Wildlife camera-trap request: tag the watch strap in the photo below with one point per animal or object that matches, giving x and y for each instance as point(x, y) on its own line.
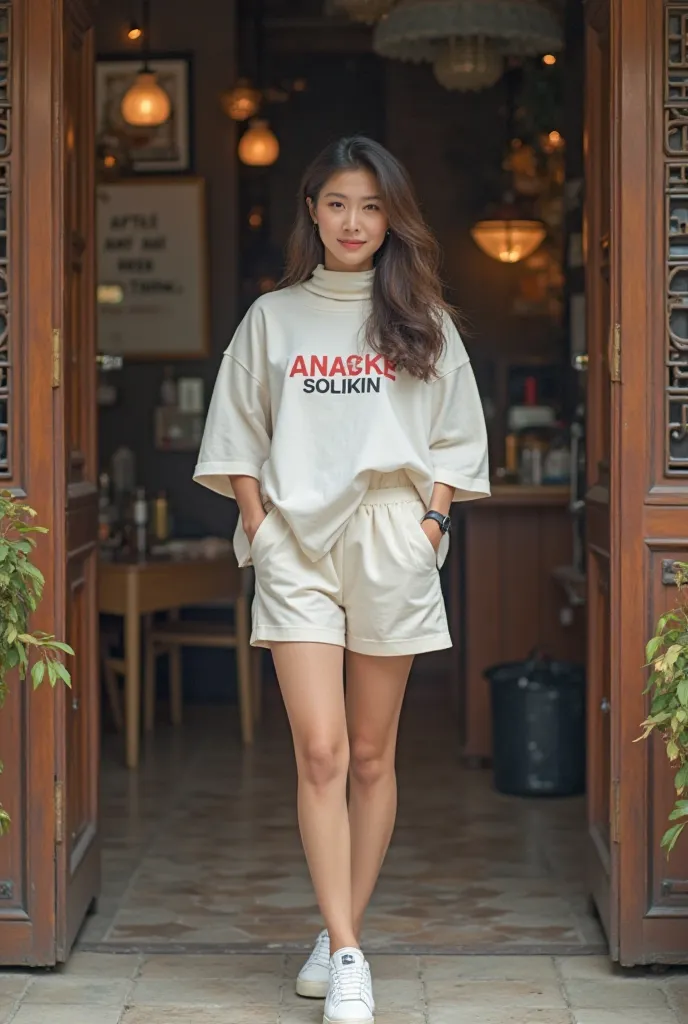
point(443, 521)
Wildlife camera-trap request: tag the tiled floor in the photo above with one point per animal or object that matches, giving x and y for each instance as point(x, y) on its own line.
point(97, 988)
point(206, 900)
point(202, 850)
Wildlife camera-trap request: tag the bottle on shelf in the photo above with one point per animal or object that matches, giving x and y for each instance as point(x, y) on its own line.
point(161, 518)
point(168, 388)
point(140, 522)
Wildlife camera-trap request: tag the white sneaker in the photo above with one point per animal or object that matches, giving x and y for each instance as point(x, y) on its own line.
point(314, 977)
point(350, 996)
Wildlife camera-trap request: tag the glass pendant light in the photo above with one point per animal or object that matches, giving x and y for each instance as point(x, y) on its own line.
point(146, 104)
point(507, 238)
point(508, 233)
point(258, 146)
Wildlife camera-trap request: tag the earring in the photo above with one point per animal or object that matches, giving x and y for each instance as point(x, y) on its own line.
point(387, 233)
point(315, 226)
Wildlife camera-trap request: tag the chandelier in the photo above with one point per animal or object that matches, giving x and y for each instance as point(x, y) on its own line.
point(420, 29)
point(468, 64)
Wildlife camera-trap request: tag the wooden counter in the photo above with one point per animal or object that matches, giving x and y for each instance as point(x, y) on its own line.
point(505, 600)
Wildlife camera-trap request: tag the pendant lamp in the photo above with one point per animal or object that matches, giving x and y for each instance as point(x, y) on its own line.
point(258, 146)
point(146, 104)
point(508, 236)
point(508, 233)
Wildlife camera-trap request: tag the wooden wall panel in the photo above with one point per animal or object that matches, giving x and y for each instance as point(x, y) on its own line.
point(512, 601)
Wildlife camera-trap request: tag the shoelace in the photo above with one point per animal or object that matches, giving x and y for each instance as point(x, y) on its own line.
point(348, 981)
point(321, 952)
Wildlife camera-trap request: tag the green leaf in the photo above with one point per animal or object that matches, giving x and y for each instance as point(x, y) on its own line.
point(681, 779)
point(672, 750)
point(62, 647)
point(653, 646)
point(37, 674)
point(682, 692)
point(63, 673)
point(670, 837)
point(52, 673)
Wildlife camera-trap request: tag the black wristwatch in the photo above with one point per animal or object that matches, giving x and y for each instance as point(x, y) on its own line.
point(444, 521)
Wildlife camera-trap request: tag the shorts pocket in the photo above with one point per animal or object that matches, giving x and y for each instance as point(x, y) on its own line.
point(423, 542)
point(259, 535)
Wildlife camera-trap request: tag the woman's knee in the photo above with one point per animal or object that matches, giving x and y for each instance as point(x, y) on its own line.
point(322, 762)
point(369, 762)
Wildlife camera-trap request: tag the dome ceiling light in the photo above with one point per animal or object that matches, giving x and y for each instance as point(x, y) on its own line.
point(468, 64)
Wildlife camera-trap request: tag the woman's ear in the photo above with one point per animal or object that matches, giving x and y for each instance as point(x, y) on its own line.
point(311, 209)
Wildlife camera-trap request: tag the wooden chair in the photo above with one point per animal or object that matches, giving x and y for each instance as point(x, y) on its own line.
point(172, 636)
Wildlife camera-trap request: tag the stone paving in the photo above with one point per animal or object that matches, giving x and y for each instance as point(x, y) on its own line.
point(101, 988)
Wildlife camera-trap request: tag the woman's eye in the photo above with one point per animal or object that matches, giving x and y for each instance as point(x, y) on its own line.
point(372, 206)
point(335, 205)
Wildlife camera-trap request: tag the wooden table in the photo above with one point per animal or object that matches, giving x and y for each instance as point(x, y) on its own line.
point(136, 588)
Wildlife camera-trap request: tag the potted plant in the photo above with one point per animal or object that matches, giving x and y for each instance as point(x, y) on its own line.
point(21, 589)
point(667, 655)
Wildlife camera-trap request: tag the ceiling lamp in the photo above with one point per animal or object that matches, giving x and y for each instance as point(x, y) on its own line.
point(417, 29)
point(365, 11)
point(242, 102)
point(146, 104)
point(258, 146)
point(468, 64)
point(509, 236)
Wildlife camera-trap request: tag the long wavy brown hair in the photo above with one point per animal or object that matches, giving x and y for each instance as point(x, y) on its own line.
point(405, 323)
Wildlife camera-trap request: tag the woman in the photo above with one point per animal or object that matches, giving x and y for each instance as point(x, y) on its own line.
point(345, 420)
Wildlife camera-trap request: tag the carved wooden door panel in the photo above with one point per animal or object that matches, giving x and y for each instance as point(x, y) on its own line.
point(49, 863)
point(642, 897)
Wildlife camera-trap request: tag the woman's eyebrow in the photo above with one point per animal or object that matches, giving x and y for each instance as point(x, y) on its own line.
point(340, 195)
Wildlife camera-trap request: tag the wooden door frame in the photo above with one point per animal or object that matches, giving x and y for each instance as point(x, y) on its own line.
point(598, 540)
point(27, 867)
point(648, 499)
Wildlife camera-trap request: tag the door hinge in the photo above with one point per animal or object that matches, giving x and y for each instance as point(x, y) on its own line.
point(615, 811)
point(57, 357)
point(615, 354)
point(59, 812)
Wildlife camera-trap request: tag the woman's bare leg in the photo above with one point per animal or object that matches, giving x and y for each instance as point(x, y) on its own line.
point(310, 678)
point(375, 690)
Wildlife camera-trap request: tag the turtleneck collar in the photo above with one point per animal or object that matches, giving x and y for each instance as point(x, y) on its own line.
point(341, 285)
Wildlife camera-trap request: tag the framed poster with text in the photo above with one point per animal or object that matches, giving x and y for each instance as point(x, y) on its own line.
point(152, 268)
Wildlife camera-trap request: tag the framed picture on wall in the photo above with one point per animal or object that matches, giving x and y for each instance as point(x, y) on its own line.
point(152, 295)
point(153, 150)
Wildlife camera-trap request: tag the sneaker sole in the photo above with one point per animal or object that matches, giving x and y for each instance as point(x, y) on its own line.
point(359, 1020)
point(312, 989)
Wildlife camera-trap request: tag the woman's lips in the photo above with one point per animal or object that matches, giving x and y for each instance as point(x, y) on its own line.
point(350, 244)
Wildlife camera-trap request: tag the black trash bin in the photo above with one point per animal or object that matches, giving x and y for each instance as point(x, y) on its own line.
point(538, 721)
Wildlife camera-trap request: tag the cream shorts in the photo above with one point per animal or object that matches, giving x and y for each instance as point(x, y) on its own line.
point(376, 592)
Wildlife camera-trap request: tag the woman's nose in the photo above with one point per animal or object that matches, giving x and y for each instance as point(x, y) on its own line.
point(351, 221)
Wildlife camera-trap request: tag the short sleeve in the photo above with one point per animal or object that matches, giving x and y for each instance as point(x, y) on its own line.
point(458, 436)
point(238, 429)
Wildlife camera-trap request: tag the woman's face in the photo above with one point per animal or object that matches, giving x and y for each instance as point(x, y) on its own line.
point(351, 218)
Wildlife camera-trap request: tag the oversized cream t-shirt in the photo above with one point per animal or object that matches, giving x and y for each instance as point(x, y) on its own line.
point(301, 405)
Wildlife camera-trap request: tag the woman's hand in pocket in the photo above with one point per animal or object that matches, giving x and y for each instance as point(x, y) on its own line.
point(252, 525)
point(432, 531)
